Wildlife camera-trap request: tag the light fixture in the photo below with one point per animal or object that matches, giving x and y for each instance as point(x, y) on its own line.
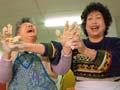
point(60, 21)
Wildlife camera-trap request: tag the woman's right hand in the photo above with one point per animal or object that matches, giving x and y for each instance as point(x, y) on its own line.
point(8, 43)
point(66, 38)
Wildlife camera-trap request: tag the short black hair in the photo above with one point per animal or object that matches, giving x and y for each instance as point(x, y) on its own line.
point(20, 22)
point(96, 6)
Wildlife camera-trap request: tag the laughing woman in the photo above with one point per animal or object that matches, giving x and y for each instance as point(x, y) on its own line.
point(95, 60)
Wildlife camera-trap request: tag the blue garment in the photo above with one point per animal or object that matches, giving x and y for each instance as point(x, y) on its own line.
point(109, 48)
point(49, 51)
point(30, 74)
point(112, 45)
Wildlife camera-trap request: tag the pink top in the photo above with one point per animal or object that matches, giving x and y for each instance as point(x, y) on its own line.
point(5, 70)
point(64, 64)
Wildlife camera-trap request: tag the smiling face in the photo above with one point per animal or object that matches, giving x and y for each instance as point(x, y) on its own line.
point(28, 32)
point(95, 25)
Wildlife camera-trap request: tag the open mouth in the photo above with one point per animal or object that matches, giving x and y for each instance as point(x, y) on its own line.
point(95, 28)
point(29, 31)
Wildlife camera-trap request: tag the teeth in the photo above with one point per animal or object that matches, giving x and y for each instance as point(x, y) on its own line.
point(94, 28)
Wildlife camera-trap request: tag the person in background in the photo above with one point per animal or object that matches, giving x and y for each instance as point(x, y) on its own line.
point(96, 59)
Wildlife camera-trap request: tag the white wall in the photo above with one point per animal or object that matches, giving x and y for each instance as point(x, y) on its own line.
point(112, 32)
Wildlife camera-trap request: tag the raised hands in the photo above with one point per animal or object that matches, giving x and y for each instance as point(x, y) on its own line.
point(68, 33)
point(71, 38)
point(8, 42)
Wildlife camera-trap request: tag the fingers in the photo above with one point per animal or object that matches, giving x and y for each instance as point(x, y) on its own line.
point(71, 43)
point(76, 43)
point(7, 35)
point(10, 46)
point(9, 27)
point(58, 34)
point(71, 35)
point(16, 39)
point(4, 31)
point(7, 31)
point(77, 30)
point(73, 29)
point(66, 27)
point(8, 42)
point(69, 27)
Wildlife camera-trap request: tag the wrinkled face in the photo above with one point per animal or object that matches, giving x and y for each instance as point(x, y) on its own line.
point(95, 25)
point(28, 32)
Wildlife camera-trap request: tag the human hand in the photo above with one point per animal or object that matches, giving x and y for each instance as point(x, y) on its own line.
point(66, 38)
point(77, 43)
point(7, 34)
point(8, 42)
point(68, 33)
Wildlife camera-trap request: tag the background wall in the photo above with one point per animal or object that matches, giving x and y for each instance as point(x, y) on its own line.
point(117, 19)
point(39, 10)
point(112, 32)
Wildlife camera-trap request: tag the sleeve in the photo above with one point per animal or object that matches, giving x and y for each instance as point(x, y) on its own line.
point(64, 64)
point(48, 50)
point(115, 58)
point(5, 70)
point(53, 51)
